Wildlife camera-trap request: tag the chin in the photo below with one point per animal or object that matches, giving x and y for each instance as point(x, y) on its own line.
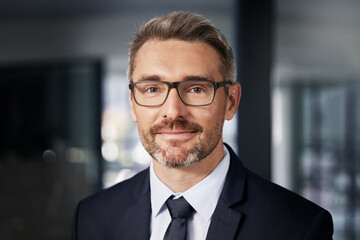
point(176, 159)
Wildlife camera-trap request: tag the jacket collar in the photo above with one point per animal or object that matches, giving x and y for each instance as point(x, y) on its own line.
point(138, 215)
point(233, 190)
point(226, 218)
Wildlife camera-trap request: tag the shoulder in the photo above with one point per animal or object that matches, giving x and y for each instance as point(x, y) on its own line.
point(284, 209)
point(272, 194)
point(121, 194)
point(277, 211)
point(259, 193)
point(95, 215)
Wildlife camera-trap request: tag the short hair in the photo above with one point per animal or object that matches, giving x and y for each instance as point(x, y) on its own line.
point(187, 27)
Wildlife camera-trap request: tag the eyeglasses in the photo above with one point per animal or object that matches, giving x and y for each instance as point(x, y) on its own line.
point(152, 93)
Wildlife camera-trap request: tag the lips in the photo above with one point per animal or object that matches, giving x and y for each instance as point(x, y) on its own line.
point(176, 136)
point(177, 132)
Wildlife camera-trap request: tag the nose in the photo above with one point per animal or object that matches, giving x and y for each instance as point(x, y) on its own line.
point(173, 107)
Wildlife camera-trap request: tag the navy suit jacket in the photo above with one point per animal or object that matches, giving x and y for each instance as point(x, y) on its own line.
point(249, 208)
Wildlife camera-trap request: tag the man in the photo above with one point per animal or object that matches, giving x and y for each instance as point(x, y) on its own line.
point(182, 89)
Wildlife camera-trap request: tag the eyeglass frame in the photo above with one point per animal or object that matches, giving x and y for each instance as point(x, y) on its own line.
point(175, 85)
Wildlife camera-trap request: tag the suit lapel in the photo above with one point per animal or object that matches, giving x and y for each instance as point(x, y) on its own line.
point(137, 216)
point(226, 219)
point(224, 222)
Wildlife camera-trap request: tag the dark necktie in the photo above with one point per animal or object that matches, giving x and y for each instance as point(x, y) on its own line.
point(180, 210)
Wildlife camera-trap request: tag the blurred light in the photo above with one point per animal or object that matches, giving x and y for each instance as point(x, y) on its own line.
point(111, 177)
point(342, 180)
point(110, 151)
point(278, 123)
point(124, 158)
point(109, 131)
point(140, 155)
point(75, 155)
point(124, 174)
point(49, 156)
point(108, 178)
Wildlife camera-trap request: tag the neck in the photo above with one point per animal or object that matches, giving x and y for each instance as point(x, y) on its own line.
point(180, 179)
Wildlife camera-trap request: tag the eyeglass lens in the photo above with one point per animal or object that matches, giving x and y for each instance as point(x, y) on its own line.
point(152, 93)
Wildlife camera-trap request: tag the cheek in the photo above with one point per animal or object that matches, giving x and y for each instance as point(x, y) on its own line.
point(145, 118)
point(210, 118)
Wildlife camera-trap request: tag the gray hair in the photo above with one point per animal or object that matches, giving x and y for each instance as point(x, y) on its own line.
point(188, 27)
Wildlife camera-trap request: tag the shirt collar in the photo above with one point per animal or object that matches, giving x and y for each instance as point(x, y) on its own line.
point(203, 197)
point(159, 192)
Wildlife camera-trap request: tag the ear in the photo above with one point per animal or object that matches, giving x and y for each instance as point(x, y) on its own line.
point(132, 107)
point(233, 100)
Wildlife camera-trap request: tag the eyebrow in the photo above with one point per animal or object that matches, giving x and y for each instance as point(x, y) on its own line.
point(199, 78)
point(149, 78)
point(187, 78)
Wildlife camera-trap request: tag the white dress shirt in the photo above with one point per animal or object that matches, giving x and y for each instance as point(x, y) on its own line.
point(203, 197)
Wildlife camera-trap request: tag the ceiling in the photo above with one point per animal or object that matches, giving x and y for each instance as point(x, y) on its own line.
point(66, 8)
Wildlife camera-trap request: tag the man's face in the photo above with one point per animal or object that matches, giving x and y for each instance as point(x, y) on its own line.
point(175, 134)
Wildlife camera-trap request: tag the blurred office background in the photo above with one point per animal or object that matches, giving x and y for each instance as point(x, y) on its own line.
point(65, 125)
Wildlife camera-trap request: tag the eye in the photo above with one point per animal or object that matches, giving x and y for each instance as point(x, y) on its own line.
point(152, 89)
point(196, 89)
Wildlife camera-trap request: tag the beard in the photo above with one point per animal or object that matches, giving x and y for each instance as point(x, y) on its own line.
point(174, 154)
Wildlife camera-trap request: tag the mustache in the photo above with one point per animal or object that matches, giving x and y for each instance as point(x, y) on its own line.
point(180, 124)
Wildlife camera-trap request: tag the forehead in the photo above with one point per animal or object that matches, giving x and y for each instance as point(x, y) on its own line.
point(176, 59)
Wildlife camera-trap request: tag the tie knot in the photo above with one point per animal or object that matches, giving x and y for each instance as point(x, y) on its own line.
point(179, 208)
